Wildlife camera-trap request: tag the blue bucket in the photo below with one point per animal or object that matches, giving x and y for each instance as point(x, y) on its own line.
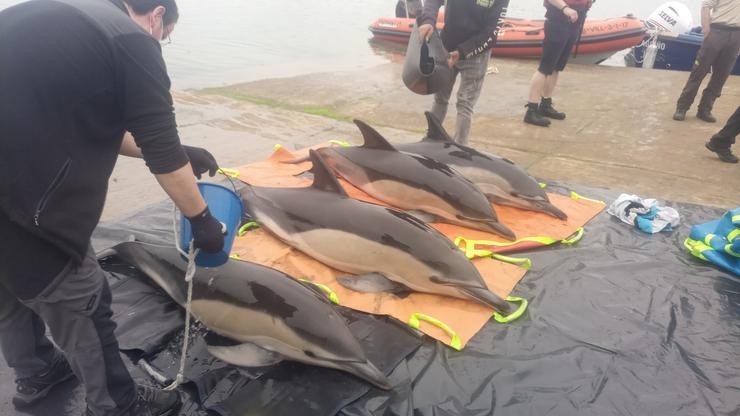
point(227, 207)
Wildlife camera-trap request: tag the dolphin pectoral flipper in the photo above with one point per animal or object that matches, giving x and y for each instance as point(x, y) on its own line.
point(240, 354)
point(373, 283)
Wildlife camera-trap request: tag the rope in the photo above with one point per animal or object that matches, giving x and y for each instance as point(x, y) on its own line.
point(190, 272)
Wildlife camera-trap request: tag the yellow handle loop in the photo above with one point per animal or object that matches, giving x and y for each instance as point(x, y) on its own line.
point(246, 227)
point(736, 219)
point(576, 197)
point(340, 143)
point(326, 289)
point(235, 257)
point(277, 147)
point(519, 261)
point(730, 251)
point(576, 237)
point(696, 248)
point(542, 185)
point(232, 173)
point(516, 314)
point(415, 322)
point(708, 239)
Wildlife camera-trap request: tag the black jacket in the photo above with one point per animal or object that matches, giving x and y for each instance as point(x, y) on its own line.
point(471, 26)
point(74, 75)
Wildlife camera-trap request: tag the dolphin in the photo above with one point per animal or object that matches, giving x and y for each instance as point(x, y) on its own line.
point(500, 179)
point(257, 315)
point(413, 183)
point(390, 249)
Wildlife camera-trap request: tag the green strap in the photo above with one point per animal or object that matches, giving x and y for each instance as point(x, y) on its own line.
point(246, 227)
point(516, 314)
point(235, 256)
point(519, 261)
point(542, 185)
point(576, 197)
point(340, 143)
point(736, 219)
point(415, 322)
point(326, 289)
point(574, 238)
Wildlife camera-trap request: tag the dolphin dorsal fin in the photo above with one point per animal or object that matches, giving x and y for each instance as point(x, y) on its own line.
point(373, 139)
point(323, 178)
point(435, 131)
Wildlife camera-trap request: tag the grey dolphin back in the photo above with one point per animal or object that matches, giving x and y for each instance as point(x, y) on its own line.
point(425, 70)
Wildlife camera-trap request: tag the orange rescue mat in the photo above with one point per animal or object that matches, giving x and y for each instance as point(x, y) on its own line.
point(452, 321)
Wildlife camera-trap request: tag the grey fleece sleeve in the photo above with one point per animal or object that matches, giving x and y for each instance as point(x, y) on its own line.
point(429, 13)
point(486, 38)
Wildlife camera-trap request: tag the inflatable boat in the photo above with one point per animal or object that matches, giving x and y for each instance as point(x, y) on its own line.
point(522, 38)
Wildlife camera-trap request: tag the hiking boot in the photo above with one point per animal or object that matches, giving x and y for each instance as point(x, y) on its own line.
point(679, 115)
point(31, 390)
point(724, 153)
point(546, 109)
point(151, 402)
point(533, 116)
point(706, 116)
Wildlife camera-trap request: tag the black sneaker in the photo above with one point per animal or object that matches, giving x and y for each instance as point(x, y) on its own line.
point(725, 154)
point(155, 402)
point(706, 116)
point(546, 109)
point(31, 390)
point(533, 116)
point(679, 115)
point(151, 402)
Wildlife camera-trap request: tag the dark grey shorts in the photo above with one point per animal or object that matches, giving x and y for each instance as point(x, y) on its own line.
point(560, 37)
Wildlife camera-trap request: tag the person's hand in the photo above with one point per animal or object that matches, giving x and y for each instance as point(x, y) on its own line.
point(208, 232)
point(453, 59)
point(425, 31)
point(571, 14)
point(201, 160)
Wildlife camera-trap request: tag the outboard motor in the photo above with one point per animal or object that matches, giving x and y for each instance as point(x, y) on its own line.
point(673, 16)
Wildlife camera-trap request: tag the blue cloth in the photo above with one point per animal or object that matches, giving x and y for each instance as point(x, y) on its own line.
point(718, 241)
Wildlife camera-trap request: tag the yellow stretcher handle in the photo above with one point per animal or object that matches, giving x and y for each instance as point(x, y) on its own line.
point(326, 289)
point(415, 322)
point(516, 314)
point(232, 173)
point(340, 143)
point(575, 196)
point(246, 227)
point(519, 261)
point(576, 237)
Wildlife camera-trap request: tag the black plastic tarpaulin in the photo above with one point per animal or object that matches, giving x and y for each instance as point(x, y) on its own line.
point(622, 323)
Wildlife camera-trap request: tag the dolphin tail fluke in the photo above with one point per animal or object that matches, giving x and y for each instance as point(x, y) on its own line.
point(487, 297)
point(551, 209)
point(370, 373)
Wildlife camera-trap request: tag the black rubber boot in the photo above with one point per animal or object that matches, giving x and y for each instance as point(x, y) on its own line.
point(679, 115)
point(724, 153)
point(152, 402)
point(706, 116)
point(547, 110)
point(31, 390)
point(533, 116)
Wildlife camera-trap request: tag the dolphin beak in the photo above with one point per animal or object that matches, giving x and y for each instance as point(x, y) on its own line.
point(551, 209)
point(368, 372)
point(487, 297)
point(501, 230)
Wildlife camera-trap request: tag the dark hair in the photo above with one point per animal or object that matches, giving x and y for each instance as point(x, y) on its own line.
point(146, 6)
